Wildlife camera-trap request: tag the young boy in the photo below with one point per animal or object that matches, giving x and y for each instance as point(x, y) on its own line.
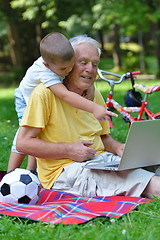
point(56, 61)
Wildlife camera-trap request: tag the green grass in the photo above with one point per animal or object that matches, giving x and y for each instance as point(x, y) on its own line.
point(141, 224)
point(8, 125)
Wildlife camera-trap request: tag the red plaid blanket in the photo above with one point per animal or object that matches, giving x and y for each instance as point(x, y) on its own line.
point(56, 207)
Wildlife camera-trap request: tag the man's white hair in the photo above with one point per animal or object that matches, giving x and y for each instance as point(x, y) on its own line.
point(84, 39)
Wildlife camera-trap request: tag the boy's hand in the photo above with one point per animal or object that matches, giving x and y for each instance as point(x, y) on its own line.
point(102, 114)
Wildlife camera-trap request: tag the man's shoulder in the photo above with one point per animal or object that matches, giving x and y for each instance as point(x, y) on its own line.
point(97, 93)
point(42, 90)
point(98, 98)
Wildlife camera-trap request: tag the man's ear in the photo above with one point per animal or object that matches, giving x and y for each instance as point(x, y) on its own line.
point(46, 64)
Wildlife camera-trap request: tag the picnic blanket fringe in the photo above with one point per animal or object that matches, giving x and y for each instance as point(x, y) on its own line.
point(60, 207)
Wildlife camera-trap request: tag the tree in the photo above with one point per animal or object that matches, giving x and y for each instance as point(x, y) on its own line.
point(153, 17)
point(24, 33)
point(132, 17)
point(28, 21)
point(13, 35)
point(78, 19)
point(122, 19)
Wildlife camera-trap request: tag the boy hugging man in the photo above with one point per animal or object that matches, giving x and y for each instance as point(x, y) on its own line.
point(56, 62)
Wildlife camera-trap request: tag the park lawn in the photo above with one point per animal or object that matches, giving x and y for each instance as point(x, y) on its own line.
point(141, 224)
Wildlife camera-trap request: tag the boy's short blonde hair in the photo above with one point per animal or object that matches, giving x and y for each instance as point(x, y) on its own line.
point(56, 47)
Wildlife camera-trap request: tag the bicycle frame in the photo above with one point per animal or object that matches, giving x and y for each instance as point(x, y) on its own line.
point(125, 111)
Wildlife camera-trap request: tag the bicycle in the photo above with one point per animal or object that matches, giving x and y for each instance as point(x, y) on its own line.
point(140, 106)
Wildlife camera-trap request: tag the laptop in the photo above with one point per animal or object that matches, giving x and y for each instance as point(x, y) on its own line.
point(142, 148)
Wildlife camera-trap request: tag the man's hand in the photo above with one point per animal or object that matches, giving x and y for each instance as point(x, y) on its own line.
point(120, 148)
point(80, 151)
point(112, 145)
point(102, 114)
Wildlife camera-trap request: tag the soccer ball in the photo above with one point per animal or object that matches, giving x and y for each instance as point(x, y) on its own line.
point(20, 186)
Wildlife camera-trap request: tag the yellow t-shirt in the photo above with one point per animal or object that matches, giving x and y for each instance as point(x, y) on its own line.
point(60, 122)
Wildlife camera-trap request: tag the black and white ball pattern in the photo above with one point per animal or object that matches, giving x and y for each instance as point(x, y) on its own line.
point(20, 186)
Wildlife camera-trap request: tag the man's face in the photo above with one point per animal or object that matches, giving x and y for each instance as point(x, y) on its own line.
point(85, 67)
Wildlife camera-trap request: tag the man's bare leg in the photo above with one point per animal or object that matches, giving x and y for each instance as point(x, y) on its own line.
point(153, 188)
point(32, 163)
point(15, 161)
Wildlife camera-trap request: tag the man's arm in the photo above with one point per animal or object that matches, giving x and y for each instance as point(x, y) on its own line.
point(112, 145)
point(28, 143)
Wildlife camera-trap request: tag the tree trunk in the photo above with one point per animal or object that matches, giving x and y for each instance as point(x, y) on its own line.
point(30, 46)
point(100, 33)
point(156, 38)
point(23, 37)
point(116, 48)
point(13, 34)
point(15, 45)
point(157, 48)
point(141, 54)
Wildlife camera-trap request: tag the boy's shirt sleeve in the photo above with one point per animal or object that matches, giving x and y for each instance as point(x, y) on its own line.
point(45, 75)
point(37, 74)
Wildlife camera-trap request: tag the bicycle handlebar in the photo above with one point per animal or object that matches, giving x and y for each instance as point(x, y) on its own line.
point(121, 77)
point(136, 72)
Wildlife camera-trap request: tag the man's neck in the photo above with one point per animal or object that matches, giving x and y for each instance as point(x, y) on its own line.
point(69, 85)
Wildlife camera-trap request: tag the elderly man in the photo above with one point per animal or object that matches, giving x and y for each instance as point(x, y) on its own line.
point(62, 138)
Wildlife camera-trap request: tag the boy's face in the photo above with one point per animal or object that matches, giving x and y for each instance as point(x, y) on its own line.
point(61, 68)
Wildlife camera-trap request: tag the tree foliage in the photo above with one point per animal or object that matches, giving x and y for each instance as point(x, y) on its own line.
point(27, 21)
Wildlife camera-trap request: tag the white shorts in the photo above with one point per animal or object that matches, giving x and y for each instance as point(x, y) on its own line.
point(86, 182)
